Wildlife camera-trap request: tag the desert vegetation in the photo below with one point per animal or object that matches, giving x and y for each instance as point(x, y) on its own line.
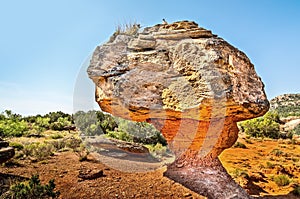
point(32, 188)
point(265, 156)
point(284, 108)
point(95, 123)
point(266, 126)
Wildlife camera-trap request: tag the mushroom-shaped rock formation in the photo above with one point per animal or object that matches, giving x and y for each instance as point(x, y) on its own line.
point(191, 85)
point(6, 152)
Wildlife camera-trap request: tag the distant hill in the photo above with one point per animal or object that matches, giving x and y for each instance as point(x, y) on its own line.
point(286, 105)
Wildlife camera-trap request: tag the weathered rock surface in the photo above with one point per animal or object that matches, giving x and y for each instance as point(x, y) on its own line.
point(6, 152)
point(189, 83)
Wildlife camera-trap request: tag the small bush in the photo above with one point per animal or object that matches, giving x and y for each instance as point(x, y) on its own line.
point(120, 136)
point(58, 144)
point(270, 165)
point(158, 150)
point(240, 173)
point(56, 136)
point(248, 141)
point(33, 189)
point(82, 152)
point(16, 145)
point(73, 142)
point(40, 151)
point(239, 145)
point(296, 190)
point(277, 152)
point(282, 180)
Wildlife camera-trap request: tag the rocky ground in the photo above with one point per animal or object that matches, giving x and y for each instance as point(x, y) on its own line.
point(254, 167)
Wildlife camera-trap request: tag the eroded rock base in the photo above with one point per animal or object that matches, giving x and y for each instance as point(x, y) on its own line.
point(208, 178)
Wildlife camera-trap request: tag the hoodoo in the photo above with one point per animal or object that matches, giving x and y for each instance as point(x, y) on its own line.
point(191, 85)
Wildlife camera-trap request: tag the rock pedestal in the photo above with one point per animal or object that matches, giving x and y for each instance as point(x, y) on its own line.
point(191, 85)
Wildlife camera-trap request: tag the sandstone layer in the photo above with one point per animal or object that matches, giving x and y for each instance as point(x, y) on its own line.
point(189, 83)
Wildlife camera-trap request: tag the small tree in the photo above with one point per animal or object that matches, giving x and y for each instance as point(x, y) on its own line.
point(266, 126)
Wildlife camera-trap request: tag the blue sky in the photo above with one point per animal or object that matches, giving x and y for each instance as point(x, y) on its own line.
point(43, 44)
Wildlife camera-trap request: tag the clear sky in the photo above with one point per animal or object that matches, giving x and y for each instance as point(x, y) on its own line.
point(43, 44)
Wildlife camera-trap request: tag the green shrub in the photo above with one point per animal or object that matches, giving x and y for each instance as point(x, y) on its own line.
point(266, 126)
point(40, 151)
point(297, 129)
point(60, 124)
point(239, 145)
point(120, 136)
point(54, 116)
point(82, 152)
point(296, 190)
point(239, 173)
point(42, 123)
point(158, 150)
point(13, 128)
point(33, 189)
point(270, 165)
point(277, 152)
point(282, 180)
point(73, 142)
point(248, 141)
point(56, 136)
point(141, 132)
point(58, 144)
point(18, 146)
point(93, 123)
point(66, 143)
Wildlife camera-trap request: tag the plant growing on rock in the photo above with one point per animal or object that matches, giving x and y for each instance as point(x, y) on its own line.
point(125, 29)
